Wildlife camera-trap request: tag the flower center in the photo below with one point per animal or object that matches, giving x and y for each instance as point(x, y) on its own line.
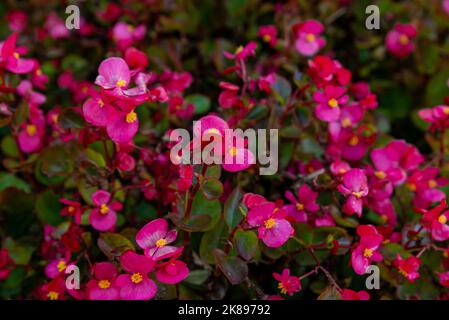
point(380, 174)
point(121, 83)
point(131, 117)
point(39, 72)
point(332, 103)
point(354, 141)
point(403, 39)
point(367, 253)
point(442, 219)
point(161, 243)
point(432, 184)
point(266, 38)
point(104, 209)
point(446, 110)
point(212, 131)
point(282, 288)
point(136, 278)
point(239, 49)
point(101, 103)
point(299, 206)
point(403, 272)
point(411, 186)
point(233, 151)
point(104, 284)
point(346, 122)
point(310, 37)
point(71, 209)
point(16, 55)
point(358, 194)
point(53, 295)
point(61, 266)
point(270, 223)
point(31, 129)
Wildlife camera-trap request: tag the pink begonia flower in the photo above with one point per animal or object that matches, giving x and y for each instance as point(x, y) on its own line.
point(175, 82)
point(399, 41)
point(329, 103)
point(304, 204)
point(136, 285)
point(10, 56)
point(409, 157)
point(72, 209)
point(350, 116)
point(268, 34)
point(113, 73)
point(135, 58)
point(435, 221)
point(177, 107)
point(438, 117)
point(308, 37)
point(102, 286)
point(104, 215)
point(251, 200)
point(38, 78)
point(339, 167)
point(242, 52)
point(123, 126)
point(30, 138)
point(273, 228)
point(125, 34)
point(96, 111)
point(386, 165)
point(367, 249)
point(236, 156)
point(229, 97)
point(445, 6)
point(17, 20)
point(55, 27)
point(362, 92)
point(355, 188)
point(125, 162)
point(172, 271)
point(57, 267)
point(408, 267)
point(443, 277)
point(347, 294)
point(266, 82)
point(287, 284)
point(186, 174)
point(155, 238)
point(25, 90)
point(54, 290)
point(324, 220)
point(6, 264)
point(424, 184)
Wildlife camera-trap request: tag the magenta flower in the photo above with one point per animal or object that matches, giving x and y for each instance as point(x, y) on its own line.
point(6, 264)
point(236, 156)
point(72, 209)
point(445, 6)
point(347, 294)
point(386, 164)
point(57, 267)
point(287, 284)
point(102, 286)
point(25, 90)
point(408, 156)
point(268, 34)
point(242, 52)
point(136, 59)
point(103, 216)
point(154, 238)
point(55, 27)
point(308, 37)
point(96, 111)
point(329, 103)
point(113, 74)
point(435, 221)
point(30, 138)
point(229, 97)
point(136, 285)
point(177, 107)
point(408, 267)
point(172, 271)
point(273, 228)
point(304, 204)
point(366, 250)
point(339, 167)
point(17, 20)
point(438, 117)
point(355, 188)
point(10, 56)
point(125, 34)
point(125, 162)
point(443, 277)
point(425, 183)
point(399, 41)
point(211, 125)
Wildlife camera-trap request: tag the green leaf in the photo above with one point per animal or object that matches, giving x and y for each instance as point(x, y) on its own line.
point(290, 132)
point(96, 158)
point(212, 239)
point(246, 244)
point(20, 115)
point(70, 119)
point(56, 161)
point(20, 253)
point(195, 223)
point(202, 206)
point(282, 89)
point(231, 211)
point(233, 268)
point(330, 293)
point(48, 208)
point(212, 188)
point(197, 277)
point(9, 147)
point(201, 103)
point(8, 180)
point(114, 244)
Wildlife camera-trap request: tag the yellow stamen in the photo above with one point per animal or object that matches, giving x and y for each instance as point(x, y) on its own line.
point(39, 72)
point(55, 118)
point(354, 141)
point(61, 266)
point(358, 194)
point(411, 186)
point(233, 151)
point(121, 83)
point(131, 117)
point(332, 103)
point(16, 55)
point(310, 37)
point(136, 278)
point(403, 39)
point(104, 209)
point(270, 223)
point(346, 122)
point(442, 219)
point(266, 38)
point(71, 209)
point(281, 287)
point(446, 110)
point(104, 284)
point(161, 243)
point(101, 103)
point(239, 49)
point(31, 129)
point(380, 174)
point(299, 206)
point(212, 131)
point(403, 272)
point(368, 253)
point(53, 295)
point(432, 184)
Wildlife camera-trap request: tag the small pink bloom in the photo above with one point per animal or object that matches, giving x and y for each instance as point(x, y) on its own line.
point(408, 267)
point(287, 284)
point(443, 277)
point(242, 52)
point(435, 220)
point(57, 267)
point(347, 294)
point(125, 162)
point(339, 167)
point(177, 107)
point(113, 73)
point(17, 20)
point(329, 103)
point(55, 27)
point(355, 188)
point(367, 249)
point(10, 56)
point(125, 34)
point(186, 174)
point(172, 272)
point(155, 238)
point(308, 37)
point(103, 287)
point(438, 117)
point(304, 204)
point(72, 209)
point(135, 58)
point(103, 216)
point(6, 264)
point(399, 41)
point(268, 34)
